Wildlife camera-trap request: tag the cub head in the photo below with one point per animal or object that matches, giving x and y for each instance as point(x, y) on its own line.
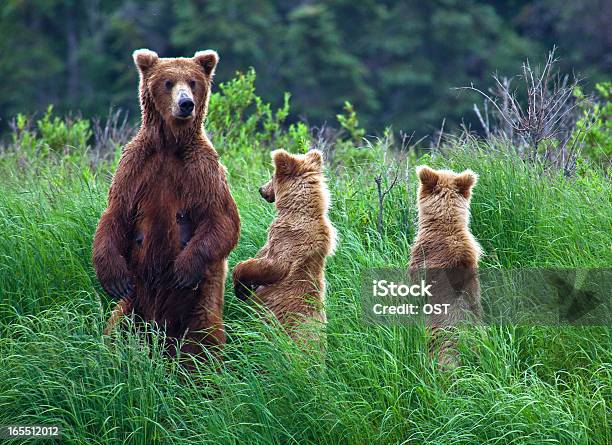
point(177, 89)
point(295, 177)
point(446, 189)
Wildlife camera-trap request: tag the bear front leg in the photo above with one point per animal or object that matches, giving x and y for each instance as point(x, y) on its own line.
point(254, 272)
point(212, 241)
point(109, 249)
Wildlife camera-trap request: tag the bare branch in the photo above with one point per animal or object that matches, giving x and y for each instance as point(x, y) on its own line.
point(484, 124)
point(440, 134)
point(388, 175)
point(549, 114)
point(115, 132)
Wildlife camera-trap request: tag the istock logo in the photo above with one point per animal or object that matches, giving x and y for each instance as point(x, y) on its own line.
point(392, 298)
point(384, 288)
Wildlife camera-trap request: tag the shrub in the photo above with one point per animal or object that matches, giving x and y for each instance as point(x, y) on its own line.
point(51, 135)
point(349, 122)
point(349, 147)
point(242, 123)
point(594, 128)
point(538, 118)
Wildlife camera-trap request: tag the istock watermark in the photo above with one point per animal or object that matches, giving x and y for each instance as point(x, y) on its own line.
point(547, 297)
point(383, 288)
point(411, 309)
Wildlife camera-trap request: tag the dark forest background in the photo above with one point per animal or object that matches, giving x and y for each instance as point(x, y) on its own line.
point(396, 61)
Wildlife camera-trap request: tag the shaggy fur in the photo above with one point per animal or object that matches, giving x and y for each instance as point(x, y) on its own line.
point(287, 275)
point(444, 252)
point(162, 243)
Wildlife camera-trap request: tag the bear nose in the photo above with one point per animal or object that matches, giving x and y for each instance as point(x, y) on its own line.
point(185, 105)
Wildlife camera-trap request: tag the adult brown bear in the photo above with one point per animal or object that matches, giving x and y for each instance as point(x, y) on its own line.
point(162, 244)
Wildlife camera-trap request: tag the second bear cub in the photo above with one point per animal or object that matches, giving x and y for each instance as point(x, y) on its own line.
point(287, 274)
point(444, 249)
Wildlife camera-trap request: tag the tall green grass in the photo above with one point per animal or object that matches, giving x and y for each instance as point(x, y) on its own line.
point(376, 384)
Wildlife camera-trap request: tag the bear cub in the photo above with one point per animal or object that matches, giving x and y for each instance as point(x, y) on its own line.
point(445, 250)
point(287, 274)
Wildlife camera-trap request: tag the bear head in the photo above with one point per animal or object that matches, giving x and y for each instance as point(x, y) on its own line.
point(295, 177)
point(444, 191)
point(176, 90)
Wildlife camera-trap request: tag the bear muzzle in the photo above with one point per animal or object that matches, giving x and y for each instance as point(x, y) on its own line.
point(185, 107)
point(265, 195)
point(183, 104)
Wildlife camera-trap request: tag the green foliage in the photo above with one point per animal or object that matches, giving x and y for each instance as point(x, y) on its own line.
point(349, 122)
point(51, 135)
point(396, 61)
point(351, 149)
point(243, 124)
point(56, 368)
point(594, 129)
point(376, 383)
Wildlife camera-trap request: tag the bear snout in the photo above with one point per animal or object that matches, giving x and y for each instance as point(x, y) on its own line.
point(265, 195)
point(185, 106)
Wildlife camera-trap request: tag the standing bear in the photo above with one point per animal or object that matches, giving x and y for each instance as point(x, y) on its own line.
point(287, 275)
point(445, 250)
point(446, 254)
point(162, 243)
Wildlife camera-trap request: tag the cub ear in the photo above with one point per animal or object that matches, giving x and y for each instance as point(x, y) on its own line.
point(144, 59)
point(316, 158)
point(284, 163)
point(207, 60)
point(465, 182)
point(427, 176)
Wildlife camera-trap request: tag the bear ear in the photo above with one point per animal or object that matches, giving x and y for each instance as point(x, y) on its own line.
point(207, 60)
point(144, 59)
point(427, 176)
point(284, 163)
point(465, 182)
point(315, 157)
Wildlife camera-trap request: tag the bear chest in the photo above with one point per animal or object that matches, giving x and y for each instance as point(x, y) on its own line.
point(163, 209)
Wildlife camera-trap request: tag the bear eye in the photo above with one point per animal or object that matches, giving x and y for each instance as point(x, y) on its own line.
point(192, 83)
point(168, 84)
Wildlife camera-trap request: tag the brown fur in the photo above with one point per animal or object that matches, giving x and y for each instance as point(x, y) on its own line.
point(162, 243)
point(445, 252)
point(287, 275)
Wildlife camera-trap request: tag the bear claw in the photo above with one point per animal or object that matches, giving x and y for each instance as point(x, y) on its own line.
point(120, 288)
point(187, 282)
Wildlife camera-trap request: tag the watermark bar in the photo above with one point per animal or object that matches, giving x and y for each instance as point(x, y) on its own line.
point(439, 297)
point(30, 432)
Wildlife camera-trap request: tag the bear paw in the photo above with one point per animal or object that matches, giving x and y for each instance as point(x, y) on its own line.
point(242, 290)
point(119, 287)
point(186, 274)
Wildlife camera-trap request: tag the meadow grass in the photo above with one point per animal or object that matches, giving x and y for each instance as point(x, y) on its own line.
point(376, 383)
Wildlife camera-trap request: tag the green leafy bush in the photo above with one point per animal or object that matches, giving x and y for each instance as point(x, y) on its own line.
point(242, 123)
point(349, 122)
point(595, 126)
point(350, 148)
point(51, 135)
